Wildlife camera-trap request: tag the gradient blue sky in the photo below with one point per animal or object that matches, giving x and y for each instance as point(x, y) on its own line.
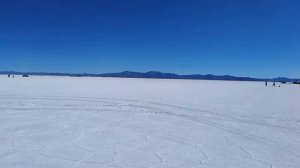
point(256, 38)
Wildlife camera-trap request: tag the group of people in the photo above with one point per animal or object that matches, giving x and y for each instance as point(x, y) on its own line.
point(274, 84)
point(10, 76)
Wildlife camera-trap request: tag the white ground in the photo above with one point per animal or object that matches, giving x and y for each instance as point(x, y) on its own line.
point(61, 122)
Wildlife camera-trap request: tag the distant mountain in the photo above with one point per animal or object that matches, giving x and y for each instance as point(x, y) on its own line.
point(155, 75)
point(160, 75)
point(286, 79)
point(150, 74)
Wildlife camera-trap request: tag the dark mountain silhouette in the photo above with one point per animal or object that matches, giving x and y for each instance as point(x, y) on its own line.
point(155, 75)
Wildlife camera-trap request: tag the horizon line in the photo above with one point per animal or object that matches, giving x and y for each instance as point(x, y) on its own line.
point(141, 72)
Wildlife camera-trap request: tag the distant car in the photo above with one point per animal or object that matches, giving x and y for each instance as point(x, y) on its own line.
point(25, 75)
point(296, 82)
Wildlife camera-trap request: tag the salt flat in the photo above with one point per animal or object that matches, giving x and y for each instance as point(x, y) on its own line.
point(62, 122)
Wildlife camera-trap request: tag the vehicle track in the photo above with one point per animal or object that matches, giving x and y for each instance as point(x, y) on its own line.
point(163, 109)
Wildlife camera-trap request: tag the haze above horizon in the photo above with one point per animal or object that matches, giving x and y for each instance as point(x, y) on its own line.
point(241, 38)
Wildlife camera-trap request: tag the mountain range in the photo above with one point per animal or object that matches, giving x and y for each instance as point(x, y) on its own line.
point(154, 75)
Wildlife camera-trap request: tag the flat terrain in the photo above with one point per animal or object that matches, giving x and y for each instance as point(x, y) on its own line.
point(62, 122)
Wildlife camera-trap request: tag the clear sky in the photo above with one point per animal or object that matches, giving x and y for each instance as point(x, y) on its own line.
point(256, 38)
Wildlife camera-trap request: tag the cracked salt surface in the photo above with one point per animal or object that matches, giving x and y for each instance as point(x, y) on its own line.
point(65, 122)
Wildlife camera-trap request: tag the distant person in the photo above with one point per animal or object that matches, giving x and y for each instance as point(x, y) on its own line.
point(273, 84)
point(8, 75)
point(266, 83)
point(13, 76)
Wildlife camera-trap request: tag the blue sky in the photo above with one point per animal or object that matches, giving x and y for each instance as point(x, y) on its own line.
point(256, 38)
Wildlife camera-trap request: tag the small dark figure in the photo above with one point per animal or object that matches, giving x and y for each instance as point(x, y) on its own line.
point(8, 75)
point(13, 76)
point(266, 83)
point(273, 84)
